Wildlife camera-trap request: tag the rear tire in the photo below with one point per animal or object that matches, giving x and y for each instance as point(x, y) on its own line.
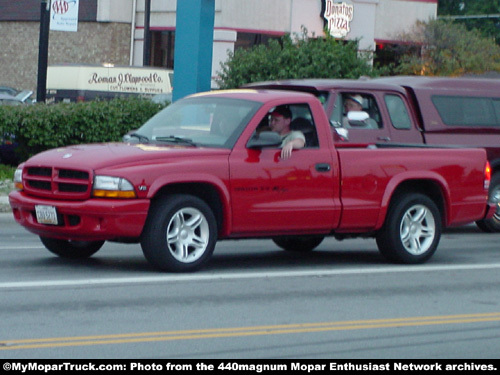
point(298, 243)
point(71, 249)
point(180, 233)
point(412, 230)
point(492, 225)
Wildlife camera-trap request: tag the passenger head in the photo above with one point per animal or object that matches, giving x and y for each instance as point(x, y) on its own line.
point(353, 103)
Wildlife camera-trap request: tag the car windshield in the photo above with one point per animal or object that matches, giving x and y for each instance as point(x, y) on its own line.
point(199, 121)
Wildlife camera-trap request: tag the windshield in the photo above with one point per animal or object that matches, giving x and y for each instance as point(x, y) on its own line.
point(207, 121)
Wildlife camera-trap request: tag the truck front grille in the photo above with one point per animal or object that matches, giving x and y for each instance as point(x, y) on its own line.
point(58, 183)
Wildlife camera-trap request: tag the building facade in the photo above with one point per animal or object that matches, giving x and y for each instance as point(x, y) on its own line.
point(112, 31)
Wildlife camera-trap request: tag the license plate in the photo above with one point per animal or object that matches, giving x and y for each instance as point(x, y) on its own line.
point(46, 214)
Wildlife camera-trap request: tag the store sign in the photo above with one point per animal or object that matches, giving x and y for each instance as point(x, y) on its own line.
point(338, 17)
point(132, 80)
point(64, 15)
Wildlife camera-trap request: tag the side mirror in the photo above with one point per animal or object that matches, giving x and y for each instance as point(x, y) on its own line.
point(264, 139)
point(357, 118)
point(128, 137)
point(342, 134)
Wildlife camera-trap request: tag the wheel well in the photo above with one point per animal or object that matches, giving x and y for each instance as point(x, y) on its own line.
point(425, 187)
point(208, 193)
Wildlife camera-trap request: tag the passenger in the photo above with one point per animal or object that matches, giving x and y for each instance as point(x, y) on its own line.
point(355, 103)
point(352, 103)
point(280, 119)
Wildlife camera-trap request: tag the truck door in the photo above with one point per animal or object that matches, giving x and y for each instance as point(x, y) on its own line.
point(389, 120)
point(270, 194)
point(402, 124)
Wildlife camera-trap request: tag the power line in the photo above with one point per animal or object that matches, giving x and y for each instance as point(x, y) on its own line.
point(475, 16)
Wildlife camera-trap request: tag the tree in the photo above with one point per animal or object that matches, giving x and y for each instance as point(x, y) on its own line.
point(448, 49)
point(299, 57)
point(477, 14)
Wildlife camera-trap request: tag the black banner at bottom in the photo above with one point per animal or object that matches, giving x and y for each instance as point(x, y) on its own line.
point(248, 366)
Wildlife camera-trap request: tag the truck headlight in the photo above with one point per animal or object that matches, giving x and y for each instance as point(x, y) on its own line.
point(18, 179)
point(112, 187)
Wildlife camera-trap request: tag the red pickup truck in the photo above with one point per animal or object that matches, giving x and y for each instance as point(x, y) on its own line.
point(414, 110)
point(207, 168)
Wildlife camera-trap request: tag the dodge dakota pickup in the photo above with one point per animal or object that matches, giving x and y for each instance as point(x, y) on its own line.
point(415, 110)
point(208, 168)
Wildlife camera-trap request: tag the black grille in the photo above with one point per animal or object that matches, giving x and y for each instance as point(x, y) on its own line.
point(42, 185)
point(72, 188)
point(40, 171)
point(77, 175)
point(57, 183)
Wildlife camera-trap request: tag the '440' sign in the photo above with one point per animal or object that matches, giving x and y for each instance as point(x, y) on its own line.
point(64, 15)
point(338, 17)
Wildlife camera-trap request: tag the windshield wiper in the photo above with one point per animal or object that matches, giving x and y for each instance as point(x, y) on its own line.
point(176, 139)
point(142, 138)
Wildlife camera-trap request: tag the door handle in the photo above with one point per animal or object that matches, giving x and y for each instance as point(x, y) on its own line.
point(387, 139)
point(323, 167)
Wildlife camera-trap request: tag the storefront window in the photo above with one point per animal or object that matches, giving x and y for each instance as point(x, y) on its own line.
point(162, 48)
point(249, 40)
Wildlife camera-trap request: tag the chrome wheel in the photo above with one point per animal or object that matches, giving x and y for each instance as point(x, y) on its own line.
point(187, 235)
point(180, 233)
point(412, 229)
point(417, 230)
point(492, 225)
point(495, 198)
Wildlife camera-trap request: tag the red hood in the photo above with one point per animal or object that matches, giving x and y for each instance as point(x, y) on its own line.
point(102, 155)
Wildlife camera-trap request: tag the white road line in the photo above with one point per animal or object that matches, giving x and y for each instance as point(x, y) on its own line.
point(241, 275)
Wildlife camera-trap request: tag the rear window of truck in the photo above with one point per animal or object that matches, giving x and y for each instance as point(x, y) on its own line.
point(467, 110)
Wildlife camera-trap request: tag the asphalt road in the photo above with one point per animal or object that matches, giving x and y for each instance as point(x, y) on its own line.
point(252, 301)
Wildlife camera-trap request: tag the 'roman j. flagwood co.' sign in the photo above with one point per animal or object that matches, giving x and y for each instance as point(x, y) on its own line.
point(337, 17)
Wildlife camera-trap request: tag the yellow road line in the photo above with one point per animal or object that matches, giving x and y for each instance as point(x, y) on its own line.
point(245, 331)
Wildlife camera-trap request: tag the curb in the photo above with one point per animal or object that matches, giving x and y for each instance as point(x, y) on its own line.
point(5, 211)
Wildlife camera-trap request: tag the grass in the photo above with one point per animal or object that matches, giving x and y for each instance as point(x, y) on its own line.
point(6, 174)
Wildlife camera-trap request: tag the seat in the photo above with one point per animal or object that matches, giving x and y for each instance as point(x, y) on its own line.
point(307, 128)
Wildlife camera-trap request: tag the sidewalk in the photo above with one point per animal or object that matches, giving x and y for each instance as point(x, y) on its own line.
point(5, 211)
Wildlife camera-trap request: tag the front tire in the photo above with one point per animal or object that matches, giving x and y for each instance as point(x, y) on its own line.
point(492, 225)
point(71, 249)
point(180, 233)
point(412, 230)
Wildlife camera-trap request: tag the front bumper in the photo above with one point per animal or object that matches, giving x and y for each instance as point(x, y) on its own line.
point(89, 220)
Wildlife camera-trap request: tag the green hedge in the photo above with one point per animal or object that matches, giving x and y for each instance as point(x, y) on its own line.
point(40, 127)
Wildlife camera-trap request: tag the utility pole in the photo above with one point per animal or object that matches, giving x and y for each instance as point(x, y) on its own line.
point(194, 40)
point(43, 51)
point(146, 57)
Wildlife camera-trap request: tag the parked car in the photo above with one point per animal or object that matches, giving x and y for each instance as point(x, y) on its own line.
point(11, 97)
point(8, 90)
point(22, 97)
point(8, 150)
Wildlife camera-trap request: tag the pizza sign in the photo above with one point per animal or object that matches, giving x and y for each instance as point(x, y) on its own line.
point(338, 17)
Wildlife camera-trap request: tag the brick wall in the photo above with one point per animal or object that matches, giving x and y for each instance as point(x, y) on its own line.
point(94, 43)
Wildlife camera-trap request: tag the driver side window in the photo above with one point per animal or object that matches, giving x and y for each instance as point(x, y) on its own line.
point(301, 121)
